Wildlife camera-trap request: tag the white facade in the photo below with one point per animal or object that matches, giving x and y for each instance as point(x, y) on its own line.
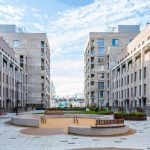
point(11, 80)
point(100, 57)
point(33, 55)
point(130, 77)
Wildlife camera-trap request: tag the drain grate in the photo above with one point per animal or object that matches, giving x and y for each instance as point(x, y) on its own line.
point(12, 138)
point(64, 141)
point(36, 137)
point(75, 138)
point(123, 138)
point(118, 141)
point(96, 139)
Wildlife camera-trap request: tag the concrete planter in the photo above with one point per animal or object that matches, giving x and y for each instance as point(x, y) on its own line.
point(130, 117)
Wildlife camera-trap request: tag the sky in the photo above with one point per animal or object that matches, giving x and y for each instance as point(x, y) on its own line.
point(67, 24)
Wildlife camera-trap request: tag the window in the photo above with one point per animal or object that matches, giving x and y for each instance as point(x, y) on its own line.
point(101, 68)
point(42, 44)
point(42, 77)
point(131, 91)
point(42, 67)
point(92, 59)
point(135, 76)
point(42, 86)
point(128, 79)
point(92, 52)
point(131, 78)
point(121, 93)
point(139, 90)
point(101, 76)
point(115, 42)
point(7, 79)
point(42, 96)
point(101, 93)
point(144, 89)
point(21, 58)
point(122, 82)
point(100, 42)
point(101, 50)
point(144, 72)
point(101, 85)
point(128, 94)
point(92, 82)
point(135, 91)
point(140, 74)
point(15, 43)
point(42, 61)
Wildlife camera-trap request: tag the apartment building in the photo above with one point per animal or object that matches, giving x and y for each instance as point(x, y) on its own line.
point(33, 55)
point(11, 80)
point(130, 77)
point(100, 57)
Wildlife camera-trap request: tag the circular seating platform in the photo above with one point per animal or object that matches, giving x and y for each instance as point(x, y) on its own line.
point(98, 131)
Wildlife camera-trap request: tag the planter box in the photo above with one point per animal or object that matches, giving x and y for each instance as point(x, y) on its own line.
point(130, 117)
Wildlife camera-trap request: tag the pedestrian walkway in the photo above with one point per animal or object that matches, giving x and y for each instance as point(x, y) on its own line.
point(12, 139)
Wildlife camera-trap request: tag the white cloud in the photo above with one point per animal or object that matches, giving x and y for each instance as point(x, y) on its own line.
point(76, 23)
point(68, 76)
point(11, 14)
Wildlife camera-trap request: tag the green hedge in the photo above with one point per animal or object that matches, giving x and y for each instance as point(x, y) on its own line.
point(130, 114)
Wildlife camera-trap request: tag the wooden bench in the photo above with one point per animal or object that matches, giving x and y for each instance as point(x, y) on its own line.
point(109, 122)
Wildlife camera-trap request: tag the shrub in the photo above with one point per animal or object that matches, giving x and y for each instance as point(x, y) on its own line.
point(121, 113)
point(96, 109)
point(129, 114)
point(137, 114)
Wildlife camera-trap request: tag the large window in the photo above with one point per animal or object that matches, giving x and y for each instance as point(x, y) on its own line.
point(100, 42)
point(139, 90)
point(15, 43)
point(101, 85)
point(115, 42)
point(101, 93)
point(140, 74)
point(144, 89)
point(101, 50)
point(92, 52)
point(144, 72)
point(134, 76)
point(100, 68)
point(42, 44)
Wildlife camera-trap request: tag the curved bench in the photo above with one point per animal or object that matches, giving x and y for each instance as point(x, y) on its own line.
point(103, 131)
point(25, 121)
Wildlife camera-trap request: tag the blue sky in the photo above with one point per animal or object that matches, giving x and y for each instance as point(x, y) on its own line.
point(67, 24)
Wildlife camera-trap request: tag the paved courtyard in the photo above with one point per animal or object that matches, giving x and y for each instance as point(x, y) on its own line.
point(12, 139)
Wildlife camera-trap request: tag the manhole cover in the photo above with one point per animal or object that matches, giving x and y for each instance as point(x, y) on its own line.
point(118, 141)
point(123, 138)
point(71, 143)
point(75, 138)
point(12, 138)
point(96, 139)
point(37, 137)
point(63, 141)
